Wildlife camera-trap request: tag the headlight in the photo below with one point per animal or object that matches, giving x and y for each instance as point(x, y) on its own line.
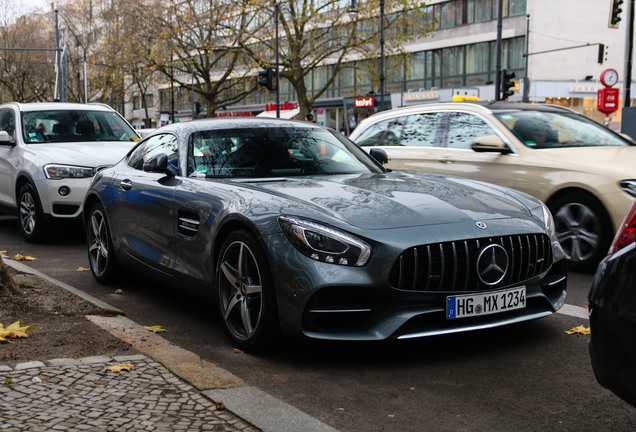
point(58, 172)
point(323, 243)
point(628, 186)
point(548, 220)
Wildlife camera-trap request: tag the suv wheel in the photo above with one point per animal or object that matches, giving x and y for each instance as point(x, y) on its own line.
point(30, 214)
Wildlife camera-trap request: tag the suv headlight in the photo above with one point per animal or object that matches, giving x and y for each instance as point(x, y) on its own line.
point(628, 186)
point(58, 172)
point(323, 243)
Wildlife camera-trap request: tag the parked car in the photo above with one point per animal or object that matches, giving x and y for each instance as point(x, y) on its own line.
point(582, 170)
point(48, 154)
point(288, 225)
point(612, 303)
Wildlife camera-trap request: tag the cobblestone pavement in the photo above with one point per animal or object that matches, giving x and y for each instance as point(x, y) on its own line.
point(83, 395)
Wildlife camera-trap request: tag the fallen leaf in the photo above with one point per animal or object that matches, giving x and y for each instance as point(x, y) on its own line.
point(15, 330)
point(220, 405)
point(239, 351)
point(579, 330)
point(79, 269)
point(120, 367)
point(19, 257)
point(3, 252)
point(155, 329)
point(118, 291)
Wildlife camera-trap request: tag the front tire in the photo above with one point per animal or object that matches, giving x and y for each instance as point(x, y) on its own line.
point(583, 229)
point(245, 293)
point(30, 215)
point(101, 255)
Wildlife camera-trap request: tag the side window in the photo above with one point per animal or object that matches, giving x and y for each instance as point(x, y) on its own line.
point(165, 143)
point(424, 130)
point(464, 128)
point(385, 132)
point(7, 122)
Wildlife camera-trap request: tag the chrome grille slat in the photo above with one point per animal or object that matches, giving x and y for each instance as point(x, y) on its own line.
point(451, 266)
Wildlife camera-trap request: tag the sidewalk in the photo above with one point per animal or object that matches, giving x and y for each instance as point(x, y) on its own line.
point(167, 389)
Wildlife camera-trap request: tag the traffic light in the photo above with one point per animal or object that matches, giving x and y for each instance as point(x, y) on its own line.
point(615, 13)
point(267, 79)
point(602, 53)
point(197, 108)
point(507, 84)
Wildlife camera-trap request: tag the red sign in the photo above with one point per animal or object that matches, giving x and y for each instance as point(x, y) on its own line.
point(364, 102)
point(607, 100)
point(283, 106)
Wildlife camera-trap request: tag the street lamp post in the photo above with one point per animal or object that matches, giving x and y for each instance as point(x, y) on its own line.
point(277, 62)
point(381, 55)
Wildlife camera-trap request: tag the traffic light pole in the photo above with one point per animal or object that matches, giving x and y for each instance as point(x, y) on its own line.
point(498, 51)
point(277, 62)
point(629, 48)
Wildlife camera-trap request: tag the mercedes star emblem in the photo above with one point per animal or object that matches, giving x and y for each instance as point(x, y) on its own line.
point(492, 264)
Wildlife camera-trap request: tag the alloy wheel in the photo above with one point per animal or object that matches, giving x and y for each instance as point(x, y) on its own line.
point(240, 290)
point(578, 229)
point(28, 213)
point(98, 243)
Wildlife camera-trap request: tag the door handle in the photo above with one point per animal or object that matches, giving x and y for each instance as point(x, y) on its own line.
point(446, 160)
point(126, 184)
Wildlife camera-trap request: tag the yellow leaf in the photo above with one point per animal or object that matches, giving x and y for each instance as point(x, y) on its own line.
point(118, 291)
point(19, 257)
point(579, 330)
point(155, 329)
point(79, 269)
point(15, 330)
point(3, 252)
point(239, 351)
point(120, 367)
point(220, 406)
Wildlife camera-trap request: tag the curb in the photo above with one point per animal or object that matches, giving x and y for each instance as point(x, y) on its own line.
point(215, 383)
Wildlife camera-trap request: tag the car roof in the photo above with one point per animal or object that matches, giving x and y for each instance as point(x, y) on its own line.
point(235, 123)
point(490, 107)
point(43, 106)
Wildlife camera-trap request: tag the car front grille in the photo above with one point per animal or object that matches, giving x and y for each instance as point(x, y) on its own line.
point(452, 266)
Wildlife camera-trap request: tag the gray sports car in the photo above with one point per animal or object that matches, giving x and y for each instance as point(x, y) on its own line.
point(291, 227)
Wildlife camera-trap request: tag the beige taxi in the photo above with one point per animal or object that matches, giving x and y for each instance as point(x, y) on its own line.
point(583, 171)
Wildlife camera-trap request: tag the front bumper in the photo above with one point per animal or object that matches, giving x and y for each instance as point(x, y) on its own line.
point(57, 205)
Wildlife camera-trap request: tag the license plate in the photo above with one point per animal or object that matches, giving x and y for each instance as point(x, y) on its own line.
point(484, 304)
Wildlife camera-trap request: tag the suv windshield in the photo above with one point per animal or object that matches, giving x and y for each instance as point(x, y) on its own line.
point(556, 130)
point(74, 126)
point(258, 152)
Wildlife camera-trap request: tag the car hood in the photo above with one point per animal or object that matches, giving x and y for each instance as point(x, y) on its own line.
point(612, 161)
point(87, 154)
point(394, 200)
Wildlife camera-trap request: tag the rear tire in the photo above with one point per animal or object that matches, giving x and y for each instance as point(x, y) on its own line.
point(101, 255)
point(30, 216)
point(583, 229)
point(245, 293)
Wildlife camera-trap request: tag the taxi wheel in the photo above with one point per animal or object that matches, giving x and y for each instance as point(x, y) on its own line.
point(583, 229)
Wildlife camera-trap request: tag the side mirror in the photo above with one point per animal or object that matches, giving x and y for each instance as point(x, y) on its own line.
point(158, 164)
point(490, 144)
point(5, 139)
point(379, 155)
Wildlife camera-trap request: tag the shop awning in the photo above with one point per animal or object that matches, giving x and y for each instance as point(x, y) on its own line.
point(284, 114)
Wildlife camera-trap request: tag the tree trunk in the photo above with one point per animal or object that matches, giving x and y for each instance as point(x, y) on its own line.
point(7, 284)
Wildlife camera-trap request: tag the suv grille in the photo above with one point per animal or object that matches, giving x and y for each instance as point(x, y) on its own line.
point(452, 266)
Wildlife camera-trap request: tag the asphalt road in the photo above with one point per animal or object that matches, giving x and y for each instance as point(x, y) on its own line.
point(527, 377)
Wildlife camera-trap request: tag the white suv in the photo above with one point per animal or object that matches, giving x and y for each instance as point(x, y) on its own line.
point(49, 153)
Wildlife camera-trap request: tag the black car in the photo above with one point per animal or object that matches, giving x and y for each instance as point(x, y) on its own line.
point(613, 314)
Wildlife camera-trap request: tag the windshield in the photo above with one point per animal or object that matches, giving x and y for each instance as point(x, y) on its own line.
point(74, 126)
point(274, 152)
point(557, 130)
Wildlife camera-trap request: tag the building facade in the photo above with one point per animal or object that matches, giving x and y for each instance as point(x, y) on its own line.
point(562, 67)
